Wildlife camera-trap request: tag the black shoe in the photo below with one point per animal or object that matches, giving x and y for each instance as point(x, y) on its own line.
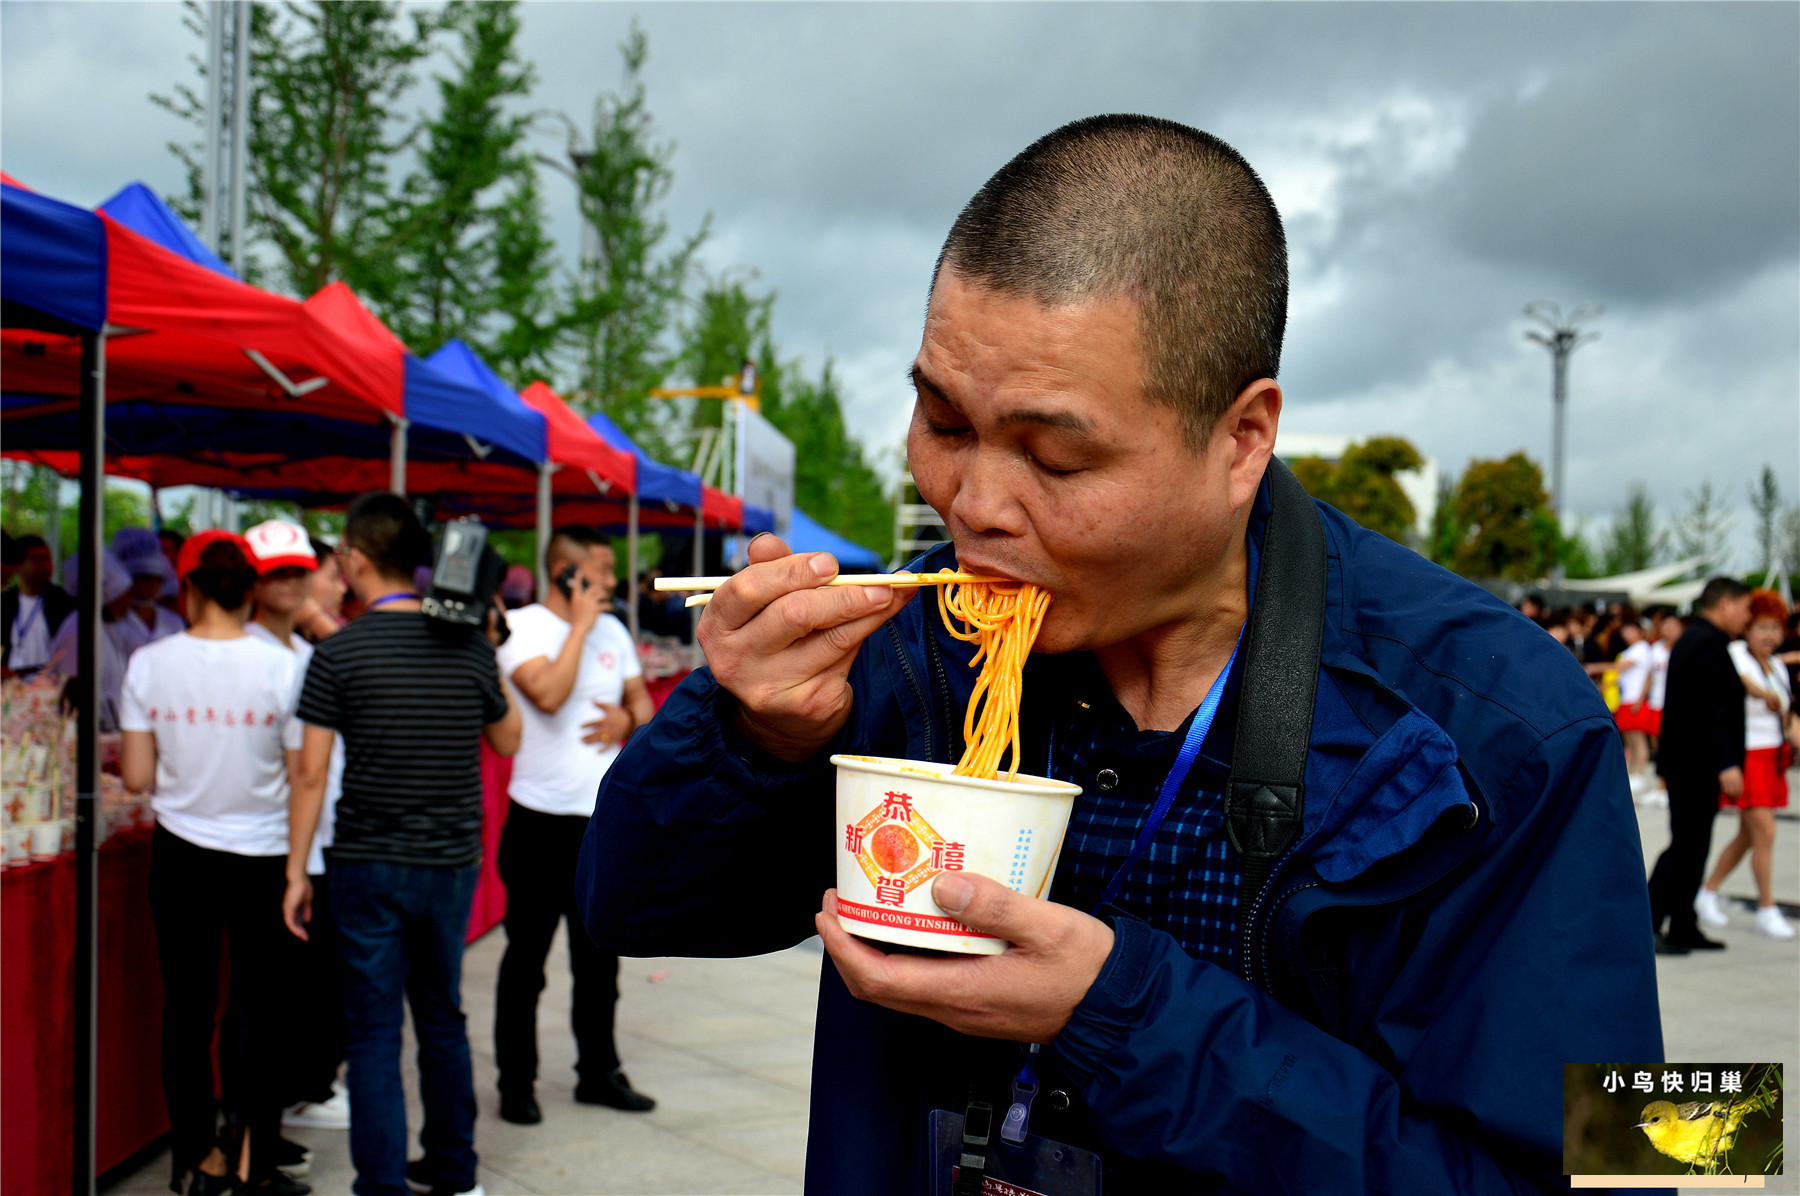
point(276, 1185)
point(1665, 947)
point(613, 1090)
point(1696, 942)
point(520, 1109)
point(292, 1159)
point(202, 1184)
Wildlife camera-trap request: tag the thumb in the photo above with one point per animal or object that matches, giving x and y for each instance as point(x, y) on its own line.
point(983, 904)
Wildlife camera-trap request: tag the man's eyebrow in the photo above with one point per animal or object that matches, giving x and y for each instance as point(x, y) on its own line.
point(1062, 421)
point(925, 385)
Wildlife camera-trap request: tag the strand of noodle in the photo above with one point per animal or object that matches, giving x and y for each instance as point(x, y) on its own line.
point(1002, 619)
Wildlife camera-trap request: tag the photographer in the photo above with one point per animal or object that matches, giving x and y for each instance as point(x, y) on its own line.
point(576, 669)
point(412, 703)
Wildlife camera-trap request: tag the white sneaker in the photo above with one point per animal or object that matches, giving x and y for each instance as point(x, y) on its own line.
point(1656, 799)
point(1639, 783)
point(1770, 922)
point(333, 1114)
point(1706, 905)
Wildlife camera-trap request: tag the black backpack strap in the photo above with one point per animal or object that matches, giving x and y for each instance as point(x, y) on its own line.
point(1265, 796)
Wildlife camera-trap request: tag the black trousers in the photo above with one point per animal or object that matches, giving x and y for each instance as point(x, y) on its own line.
point(537, 864)
point(199, 900)
point(320, 1035)
point(1693, 807)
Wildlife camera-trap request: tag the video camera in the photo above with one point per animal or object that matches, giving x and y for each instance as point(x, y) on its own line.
point(465, 572)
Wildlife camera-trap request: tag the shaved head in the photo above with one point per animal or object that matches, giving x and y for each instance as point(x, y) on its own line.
point(1165, 215)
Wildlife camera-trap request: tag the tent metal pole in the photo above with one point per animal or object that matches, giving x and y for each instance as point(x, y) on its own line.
point(543, 530)
point(240, 129)
point(212, 207)
point(631, 562)
point(87, 758)
point(699, 568)
point(397, 456)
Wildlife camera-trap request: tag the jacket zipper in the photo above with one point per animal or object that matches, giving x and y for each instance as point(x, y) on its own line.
point(943, 689)
point(912, 679)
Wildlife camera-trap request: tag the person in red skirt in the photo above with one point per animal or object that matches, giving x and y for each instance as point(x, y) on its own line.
point(1770, 736)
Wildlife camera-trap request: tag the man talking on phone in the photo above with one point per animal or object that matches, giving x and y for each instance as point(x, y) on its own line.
point(581, 691)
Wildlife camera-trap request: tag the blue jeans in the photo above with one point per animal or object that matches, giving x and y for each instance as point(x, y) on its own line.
point(400, 934)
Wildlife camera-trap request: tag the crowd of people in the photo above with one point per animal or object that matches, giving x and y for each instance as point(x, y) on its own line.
point(310, 740)
point(1705, 709)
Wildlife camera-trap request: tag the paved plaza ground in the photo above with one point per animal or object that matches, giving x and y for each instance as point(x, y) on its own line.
point(726, 1048)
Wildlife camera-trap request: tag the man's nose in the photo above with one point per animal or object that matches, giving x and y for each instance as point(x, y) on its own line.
point(986, 499)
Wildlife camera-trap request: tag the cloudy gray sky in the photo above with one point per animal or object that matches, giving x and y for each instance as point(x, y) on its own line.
point(1437, 166)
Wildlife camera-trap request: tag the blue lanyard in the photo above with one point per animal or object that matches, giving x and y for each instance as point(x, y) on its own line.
point(1184, 764)
point(1025, 1084)
point(21, 625)
point(390, 598)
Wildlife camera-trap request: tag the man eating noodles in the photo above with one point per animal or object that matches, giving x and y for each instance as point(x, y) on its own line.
point(1460, 909)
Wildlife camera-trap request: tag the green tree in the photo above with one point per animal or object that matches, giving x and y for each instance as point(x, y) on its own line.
point(1704, 529)
point(328, 80)
point(1365, 489)
point(1765, 503)
point(325, 131)
point(1633, 541)
point(1361, 484)
point(1315, 475)
point(471, 256)
point(1576, 555)
point(1446, 532)
point(1506, 526)
point(625, 300)
point(834, 481)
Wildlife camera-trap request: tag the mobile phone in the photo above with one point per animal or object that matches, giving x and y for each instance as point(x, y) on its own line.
point(565, 581)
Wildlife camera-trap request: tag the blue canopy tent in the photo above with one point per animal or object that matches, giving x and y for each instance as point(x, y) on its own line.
point(806, 534)
point(153, 432)
point(141, 210)
point(656, 483)
point(53, 283)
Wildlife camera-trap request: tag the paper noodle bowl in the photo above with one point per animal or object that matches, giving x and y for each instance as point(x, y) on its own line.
point(902, 822)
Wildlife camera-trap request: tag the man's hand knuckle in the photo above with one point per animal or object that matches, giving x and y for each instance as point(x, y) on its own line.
point(793, 616)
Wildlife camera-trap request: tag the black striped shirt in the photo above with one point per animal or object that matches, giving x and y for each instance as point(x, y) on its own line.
point(410, 706)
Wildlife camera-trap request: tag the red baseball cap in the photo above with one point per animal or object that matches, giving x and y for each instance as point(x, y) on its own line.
point(189, 560)
point(277, 544)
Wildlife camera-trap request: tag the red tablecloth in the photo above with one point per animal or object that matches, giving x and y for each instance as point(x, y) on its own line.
point(37, 999)
point(496, 773)
point(662, 687)
point(490, 895)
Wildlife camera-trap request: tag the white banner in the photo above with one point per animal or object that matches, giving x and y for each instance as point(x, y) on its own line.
point(764, 466)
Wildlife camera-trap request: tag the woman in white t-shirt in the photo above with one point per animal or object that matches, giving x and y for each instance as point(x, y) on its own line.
point(208, 718)
point(1634, 694)
point(1770, 735)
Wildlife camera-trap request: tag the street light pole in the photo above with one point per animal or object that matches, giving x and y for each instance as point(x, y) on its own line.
point(1562, 337)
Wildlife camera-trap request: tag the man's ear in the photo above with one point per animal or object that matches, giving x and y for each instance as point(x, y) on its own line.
point(1250, 424)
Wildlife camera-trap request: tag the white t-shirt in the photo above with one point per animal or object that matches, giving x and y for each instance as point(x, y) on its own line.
point(334, 772)
point(1634, 673)
point(222, 712)
point(554, 772)
point(1762, 726)
point(1659, 674)
point(134, 635)
point(30, 634)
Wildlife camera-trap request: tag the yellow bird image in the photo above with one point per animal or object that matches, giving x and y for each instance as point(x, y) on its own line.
point(1696, 1132)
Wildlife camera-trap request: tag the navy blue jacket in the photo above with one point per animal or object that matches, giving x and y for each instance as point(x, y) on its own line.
point(1463, 912)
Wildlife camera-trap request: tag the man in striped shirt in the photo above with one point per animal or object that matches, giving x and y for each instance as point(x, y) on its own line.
point(412, 706)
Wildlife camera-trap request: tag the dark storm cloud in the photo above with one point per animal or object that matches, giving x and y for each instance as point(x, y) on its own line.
point(1669, 165)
